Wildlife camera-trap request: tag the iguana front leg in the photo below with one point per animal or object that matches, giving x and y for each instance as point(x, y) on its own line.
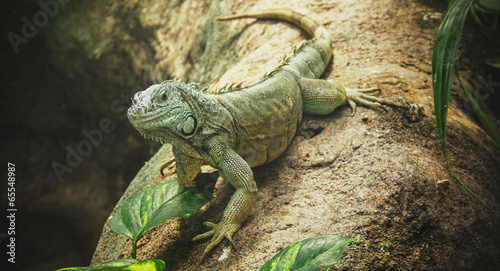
point(238, 173)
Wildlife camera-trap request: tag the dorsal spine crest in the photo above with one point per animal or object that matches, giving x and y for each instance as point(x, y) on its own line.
point(281, 61)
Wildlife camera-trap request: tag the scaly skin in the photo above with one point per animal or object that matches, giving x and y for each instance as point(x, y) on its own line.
point(242, 125)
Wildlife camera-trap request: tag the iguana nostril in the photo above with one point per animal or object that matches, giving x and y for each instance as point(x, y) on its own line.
point(134, 111)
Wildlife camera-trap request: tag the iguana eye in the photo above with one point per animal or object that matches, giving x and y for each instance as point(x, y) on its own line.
point(163, 96)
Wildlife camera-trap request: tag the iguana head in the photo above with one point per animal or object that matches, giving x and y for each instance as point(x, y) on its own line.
point(164, 112)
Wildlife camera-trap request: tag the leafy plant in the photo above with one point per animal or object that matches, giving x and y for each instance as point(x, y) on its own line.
point(443, 62)
point(443, 65)
point(316, 253)
point(160, 202)
point(123, 265)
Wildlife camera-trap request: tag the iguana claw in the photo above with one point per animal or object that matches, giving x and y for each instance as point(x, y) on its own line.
point(412, 111)
point(359, 96)
point(219, 231)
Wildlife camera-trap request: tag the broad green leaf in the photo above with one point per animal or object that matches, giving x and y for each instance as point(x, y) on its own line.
point(113, 264)
point(316, 253)
point(123, 265)
point(151, 265)
point(160, 202)
point(443, 62)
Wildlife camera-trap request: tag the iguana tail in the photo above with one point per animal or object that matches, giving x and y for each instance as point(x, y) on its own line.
point(321, 42)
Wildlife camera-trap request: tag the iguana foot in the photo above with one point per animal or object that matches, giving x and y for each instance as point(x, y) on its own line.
point(219, 231)
point(412, 111)
point(359, 96)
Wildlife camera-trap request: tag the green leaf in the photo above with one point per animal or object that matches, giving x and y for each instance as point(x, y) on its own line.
point(113, 263)
point(443, 62)
point(123, 265)
point(488, 127)
point(493, 61)
point(160, 202)
point(316, 253)
point(151, 265)
point(490, 5)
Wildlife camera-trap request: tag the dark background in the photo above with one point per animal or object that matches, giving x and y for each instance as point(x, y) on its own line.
point(51, 92)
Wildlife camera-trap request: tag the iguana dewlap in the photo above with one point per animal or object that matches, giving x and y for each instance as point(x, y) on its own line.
point(238, 126)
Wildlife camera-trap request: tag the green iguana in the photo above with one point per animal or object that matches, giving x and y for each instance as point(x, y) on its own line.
point(237, 126)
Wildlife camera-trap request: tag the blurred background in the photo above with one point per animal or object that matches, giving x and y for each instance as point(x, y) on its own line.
point(64, 127)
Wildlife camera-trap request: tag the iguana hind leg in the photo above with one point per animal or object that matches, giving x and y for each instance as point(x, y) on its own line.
point(322, 97)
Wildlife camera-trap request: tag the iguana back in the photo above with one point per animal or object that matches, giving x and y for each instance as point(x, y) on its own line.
point(267, 112)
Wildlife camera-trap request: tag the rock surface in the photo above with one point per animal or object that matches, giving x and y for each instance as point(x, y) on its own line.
point(374, 175)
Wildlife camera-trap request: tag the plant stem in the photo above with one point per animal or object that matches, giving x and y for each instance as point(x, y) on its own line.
point(134, 249)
